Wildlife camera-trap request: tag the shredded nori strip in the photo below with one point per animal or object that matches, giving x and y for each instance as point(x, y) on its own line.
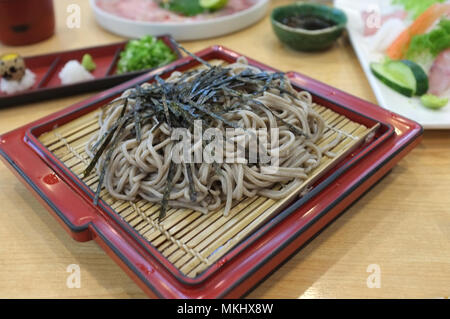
point(122, 121)
point(192, 193)
point(169, 186)
point(137, 121)
point(105, 144)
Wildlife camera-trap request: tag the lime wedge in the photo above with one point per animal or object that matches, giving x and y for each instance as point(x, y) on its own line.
point(213, 4)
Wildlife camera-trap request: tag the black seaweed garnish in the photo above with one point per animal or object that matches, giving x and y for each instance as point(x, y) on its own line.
point(204, 95)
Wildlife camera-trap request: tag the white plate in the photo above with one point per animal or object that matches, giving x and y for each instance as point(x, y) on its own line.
point(192, 30)
point(387, 98)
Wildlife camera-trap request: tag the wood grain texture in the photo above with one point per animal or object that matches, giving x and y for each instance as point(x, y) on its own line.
point(402, 224)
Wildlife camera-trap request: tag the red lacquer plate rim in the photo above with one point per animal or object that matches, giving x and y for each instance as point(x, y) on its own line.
point(209, 277)
point(47, 155)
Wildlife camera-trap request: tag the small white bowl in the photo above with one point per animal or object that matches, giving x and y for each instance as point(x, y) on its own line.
point(192, 30)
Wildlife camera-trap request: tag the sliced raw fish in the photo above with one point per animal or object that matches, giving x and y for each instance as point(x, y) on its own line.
point(439, 78)
point(387, 34)
point(371, 26)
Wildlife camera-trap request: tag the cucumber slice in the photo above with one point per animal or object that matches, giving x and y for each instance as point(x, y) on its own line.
point(420, 75)
point(397, 75)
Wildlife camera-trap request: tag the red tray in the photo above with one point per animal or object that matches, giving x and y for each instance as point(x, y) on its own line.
point(67, 198)
point(46, 67)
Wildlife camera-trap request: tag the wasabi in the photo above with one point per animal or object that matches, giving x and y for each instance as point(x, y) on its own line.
point(433, 102)
point(88, 63)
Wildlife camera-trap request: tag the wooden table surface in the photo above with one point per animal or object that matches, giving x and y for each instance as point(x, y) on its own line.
point(402, 225)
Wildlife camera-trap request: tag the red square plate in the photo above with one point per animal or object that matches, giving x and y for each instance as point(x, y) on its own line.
point(254, 257)
point(47, 67)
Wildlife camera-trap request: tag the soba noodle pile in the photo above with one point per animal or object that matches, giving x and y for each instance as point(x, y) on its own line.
point(133, 150)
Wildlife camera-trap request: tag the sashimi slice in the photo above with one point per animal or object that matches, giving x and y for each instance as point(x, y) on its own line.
point(439, 78)
point(371, 27)
point(386, 35)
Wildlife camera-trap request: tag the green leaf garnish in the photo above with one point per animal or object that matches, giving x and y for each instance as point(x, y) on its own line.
point(184, 7)
point(425, 47)
point(145, 53)
point(416, 7)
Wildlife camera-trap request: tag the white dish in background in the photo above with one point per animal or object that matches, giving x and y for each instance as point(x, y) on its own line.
point(387, 98)
point(192, 30)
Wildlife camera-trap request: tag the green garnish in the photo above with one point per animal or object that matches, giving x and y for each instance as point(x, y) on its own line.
point(416, 7)
point(425, 47)
point(403, 76)
point(88, 63)
point(433, 102)
point(192, 7)
point(145, 53)
point(420, 76)
point(213, 4)
point(183, 7)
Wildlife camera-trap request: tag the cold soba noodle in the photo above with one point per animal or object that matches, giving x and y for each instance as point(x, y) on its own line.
point(133, 150)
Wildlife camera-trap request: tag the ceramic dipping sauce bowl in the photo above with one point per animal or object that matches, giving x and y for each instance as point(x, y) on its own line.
point(308, 26)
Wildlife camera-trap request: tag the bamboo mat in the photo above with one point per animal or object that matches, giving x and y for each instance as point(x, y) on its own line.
point(191, 240)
